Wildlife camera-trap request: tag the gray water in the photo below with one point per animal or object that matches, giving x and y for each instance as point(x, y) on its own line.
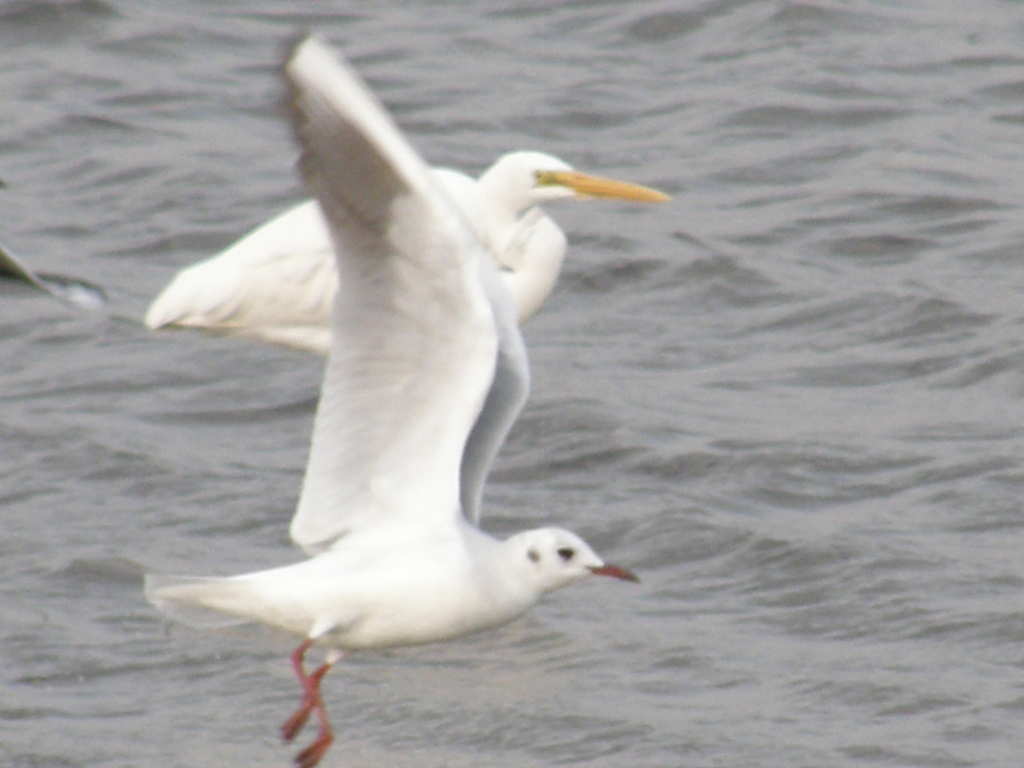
point(792, 399)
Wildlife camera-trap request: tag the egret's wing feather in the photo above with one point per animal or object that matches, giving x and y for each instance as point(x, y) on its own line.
point(462, 190)
point(414, 344)
point(276, 284)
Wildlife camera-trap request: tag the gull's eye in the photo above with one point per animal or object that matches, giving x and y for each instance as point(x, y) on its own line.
point(533, 554)
point(566, 553)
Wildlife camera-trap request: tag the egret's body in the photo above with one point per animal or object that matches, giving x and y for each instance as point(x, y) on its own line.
point(277, 284)
point(426, 373)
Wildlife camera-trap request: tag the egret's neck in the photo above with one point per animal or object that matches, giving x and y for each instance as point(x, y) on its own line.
point(531, 259)
point(505, 193)
point(526, 245)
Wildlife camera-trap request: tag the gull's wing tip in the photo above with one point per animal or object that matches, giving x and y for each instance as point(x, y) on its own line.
point(306, 51)
point(295, 48)
point(294, 42)
point(311, 65)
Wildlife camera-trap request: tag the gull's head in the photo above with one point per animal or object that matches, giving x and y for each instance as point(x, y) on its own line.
point(522, 179)
point(552, 558)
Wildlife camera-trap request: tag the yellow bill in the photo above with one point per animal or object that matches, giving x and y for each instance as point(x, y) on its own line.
point(587, 186)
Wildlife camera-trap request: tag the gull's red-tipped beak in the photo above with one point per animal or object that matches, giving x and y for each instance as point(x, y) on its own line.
point(615, 572)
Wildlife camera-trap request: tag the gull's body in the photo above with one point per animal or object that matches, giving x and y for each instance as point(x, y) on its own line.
point(277, 284)
point(388, 588)
point(426, 373)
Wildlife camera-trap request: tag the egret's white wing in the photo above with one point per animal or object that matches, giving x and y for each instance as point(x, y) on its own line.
point(415, 344)
point(276, 284)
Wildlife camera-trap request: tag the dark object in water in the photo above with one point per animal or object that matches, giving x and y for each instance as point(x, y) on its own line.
point(75, 292)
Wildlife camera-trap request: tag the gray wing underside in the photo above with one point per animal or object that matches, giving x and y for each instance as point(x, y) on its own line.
point(505, 398)
point(511, 383)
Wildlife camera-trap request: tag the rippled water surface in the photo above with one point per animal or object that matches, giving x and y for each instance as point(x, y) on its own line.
point(791, 398)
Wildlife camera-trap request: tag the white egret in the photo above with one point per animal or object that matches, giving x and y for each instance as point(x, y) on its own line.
point(277, 283)
point(427, 364)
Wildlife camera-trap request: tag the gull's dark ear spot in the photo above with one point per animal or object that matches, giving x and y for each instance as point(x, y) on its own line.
point(533, 554)
point(566, 553)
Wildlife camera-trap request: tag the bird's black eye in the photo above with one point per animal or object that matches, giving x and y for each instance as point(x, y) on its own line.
point(566, 553)
point(533, 554)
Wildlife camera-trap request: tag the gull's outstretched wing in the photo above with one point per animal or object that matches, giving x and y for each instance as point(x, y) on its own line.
point(414, 343)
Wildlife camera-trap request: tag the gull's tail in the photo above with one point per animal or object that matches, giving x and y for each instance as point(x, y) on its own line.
point(206, 603)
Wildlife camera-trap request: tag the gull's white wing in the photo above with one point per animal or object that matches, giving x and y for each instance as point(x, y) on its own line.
point(415, 342)
point(276, 284)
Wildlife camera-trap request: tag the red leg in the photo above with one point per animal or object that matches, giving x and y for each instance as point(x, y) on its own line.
point(311, 702)
point(295, 723)
point(312, 754)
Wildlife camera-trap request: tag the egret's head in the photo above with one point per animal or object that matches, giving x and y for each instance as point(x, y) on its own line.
point(522, 179)
point(552, 558)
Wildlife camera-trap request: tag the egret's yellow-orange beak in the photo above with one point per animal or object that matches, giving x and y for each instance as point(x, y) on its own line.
point(587, 186)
